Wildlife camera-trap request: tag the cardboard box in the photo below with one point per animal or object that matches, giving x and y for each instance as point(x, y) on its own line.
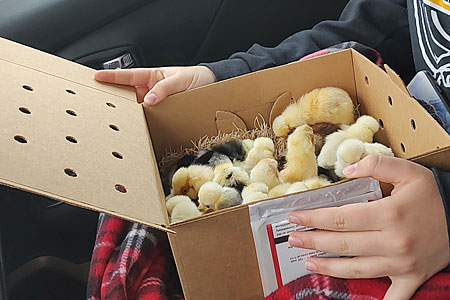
point(67, 137)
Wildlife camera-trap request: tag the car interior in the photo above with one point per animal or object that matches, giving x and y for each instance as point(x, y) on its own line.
point(46, 246)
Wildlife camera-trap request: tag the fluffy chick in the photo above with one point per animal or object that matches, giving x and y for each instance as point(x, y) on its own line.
point(231, 176)
point(296, 187)
point(329, 104)
point(213, 195)
point(316, 182)
point(363, 129)
point(300, 158)
point(279, 190)
point(266, 171)
point(254, 192)
point(181, 208)
point(263, 148)
point(187, 181)
point(351, 151)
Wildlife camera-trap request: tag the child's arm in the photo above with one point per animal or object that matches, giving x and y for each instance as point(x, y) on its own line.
point(403, 236)
point(379, 24)
point(155, 84)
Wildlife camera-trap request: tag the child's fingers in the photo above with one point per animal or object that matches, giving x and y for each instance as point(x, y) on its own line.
point(164, 88)
point(384, 168)
point(401, 289)
point(141, 91)
point(354, 267)
point(366, 243)
point(133, 77)
point(352, 217)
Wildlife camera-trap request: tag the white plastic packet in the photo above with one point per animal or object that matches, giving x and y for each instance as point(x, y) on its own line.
point(279, 263)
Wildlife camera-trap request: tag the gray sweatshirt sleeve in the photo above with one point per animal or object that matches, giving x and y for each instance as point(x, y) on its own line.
point(380, 24)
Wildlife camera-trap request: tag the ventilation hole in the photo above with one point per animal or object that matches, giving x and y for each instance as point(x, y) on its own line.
point(71, 139)
point(413, 124)
point(403, 147)
point(25, 110)
point(70, 92)
point(20, 139)
point(111, 105)
point(120, 188)
point(390, 100)
point(70, 172)
point(117, 155)
point(114, 127)
point(381, 123)
point(28, 88)
point(71, 112)
point(366, 80)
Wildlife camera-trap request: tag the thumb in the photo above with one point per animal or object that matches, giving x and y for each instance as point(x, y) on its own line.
point(383, 168)
point(401, 289)
point(164, 88)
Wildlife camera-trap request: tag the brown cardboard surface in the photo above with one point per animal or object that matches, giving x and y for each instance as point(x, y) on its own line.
point(228, 122)
point(397, 111)
point(59, 67)
point(222, 262)
point(47, 116)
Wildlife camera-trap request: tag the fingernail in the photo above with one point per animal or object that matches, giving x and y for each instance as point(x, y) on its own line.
point(350, 169)
point(150, 99)
point(295, 241)
point(310, 266)
point(294, 219)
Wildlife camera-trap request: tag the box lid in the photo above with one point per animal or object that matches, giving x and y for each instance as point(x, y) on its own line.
point(70, 138)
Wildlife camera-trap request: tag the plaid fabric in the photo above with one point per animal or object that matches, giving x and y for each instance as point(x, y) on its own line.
point(324, 287)
point(132, 261)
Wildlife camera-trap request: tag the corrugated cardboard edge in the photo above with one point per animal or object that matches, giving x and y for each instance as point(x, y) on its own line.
point(396, 79)
point(78, 203)
point(25, 56)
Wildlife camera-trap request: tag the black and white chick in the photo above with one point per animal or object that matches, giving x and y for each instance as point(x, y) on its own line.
point(231, 176)
point(228, 152)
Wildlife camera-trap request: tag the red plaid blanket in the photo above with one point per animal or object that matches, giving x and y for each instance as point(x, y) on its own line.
point(132, 261)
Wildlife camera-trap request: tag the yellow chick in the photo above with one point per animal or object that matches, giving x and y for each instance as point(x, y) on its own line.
point(351, 151)
point(329, 104)
point(296, 187)
point(279, 190)
point(231, 176)
point(300, 158)
point(181, 208)
point(263, 148)
point(266, 171)
point(247, 144)
point(187, 181)
point(363, 129)
point(254, 192)
point(213, 195)
point(316, 182)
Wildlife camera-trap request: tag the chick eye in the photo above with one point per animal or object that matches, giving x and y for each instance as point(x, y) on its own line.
point(228, 176)
point(184, 191)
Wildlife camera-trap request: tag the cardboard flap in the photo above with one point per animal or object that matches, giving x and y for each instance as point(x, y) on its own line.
point(75, 142)
point(58, 67)
point(227, 122)
point(396, 79)
point(280, 105)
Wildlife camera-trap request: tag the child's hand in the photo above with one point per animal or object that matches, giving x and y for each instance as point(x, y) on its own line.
point(154, 84)
point(403, 236)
